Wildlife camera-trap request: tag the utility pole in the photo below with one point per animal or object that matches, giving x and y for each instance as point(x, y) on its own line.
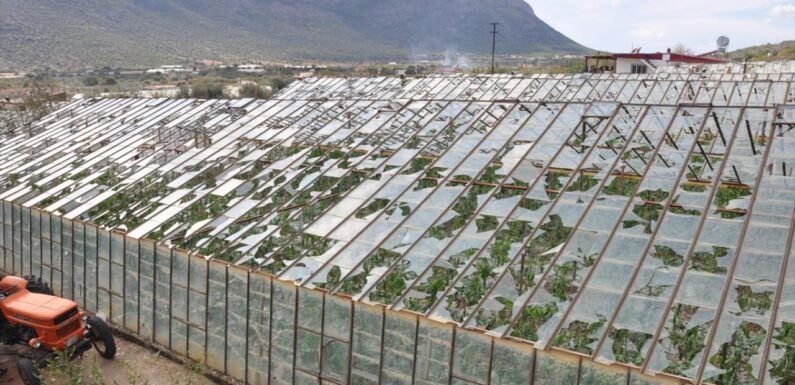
point(493, 43)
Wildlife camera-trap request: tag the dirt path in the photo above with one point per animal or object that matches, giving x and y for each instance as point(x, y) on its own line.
point(133, 365)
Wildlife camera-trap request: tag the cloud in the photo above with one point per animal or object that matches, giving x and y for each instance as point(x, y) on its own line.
point(619, 25)
point(783, 10)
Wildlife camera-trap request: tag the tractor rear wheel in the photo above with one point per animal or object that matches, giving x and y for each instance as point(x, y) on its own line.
point(28, 372)
point(101, 337)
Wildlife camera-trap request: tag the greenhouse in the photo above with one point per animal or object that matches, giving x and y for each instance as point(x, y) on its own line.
point(492, 229)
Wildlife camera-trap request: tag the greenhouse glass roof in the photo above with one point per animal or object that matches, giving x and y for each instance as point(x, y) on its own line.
point(644, 220)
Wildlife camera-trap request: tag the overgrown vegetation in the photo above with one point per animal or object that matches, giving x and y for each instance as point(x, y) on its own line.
point(782, 369)
point(63, 371)
point(735, 356)
point(628, 345)
point(684, 342)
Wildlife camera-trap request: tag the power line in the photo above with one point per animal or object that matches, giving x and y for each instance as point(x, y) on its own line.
point(493, 43)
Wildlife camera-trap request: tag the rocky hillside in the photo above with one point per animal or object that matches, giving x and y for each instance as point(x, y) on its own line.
point(146, 32)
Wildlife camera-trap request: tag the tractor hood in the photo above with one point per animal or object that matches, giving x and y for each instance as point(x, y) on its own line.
point(36, 307)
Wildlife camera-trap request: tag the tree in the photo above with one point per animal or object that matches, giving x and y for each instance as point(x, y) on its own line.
point(277, 84)
point(681, 49)
point(39, 102)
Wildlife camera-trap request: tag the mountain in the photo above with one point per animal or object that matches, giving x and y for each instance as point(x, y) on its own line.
point(767, 52)
point(82, 33)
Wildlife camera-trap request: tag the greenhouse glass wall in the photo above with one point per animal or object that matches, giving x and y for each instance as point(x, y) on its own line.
point(545, 229)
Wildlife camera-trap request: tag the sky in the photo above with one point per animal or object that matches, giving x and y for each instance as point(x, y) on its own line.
point(655, 25)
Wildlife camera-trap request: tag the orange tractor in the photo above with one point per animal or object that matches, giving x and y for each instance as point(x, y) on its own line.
point(32, 316)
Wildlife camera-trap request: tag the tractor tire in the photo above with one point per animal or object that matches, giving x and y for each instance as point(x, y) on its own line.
point(28, 372)
point(101, 337)
point(37, 285)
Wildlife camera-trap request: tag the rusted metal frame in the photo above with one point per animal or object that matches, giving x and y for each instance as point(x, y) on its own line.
point(137, 273)
point(594, 95)
point(516, 87)
point(350, 343)
point(618, 94)
point(452, 357)
point(480, 91)
point(720, 89)
point(542, 101)
point(452, 203)
point(454, 82)
point(270, 325)
point(286, 169)
point(507, 92)
point(483, 92)
point(553, 203)
point(607, 243)
point(477, 211)
point(422, 201)
point(776, 302)
point(383, 334)
point(464, 94)
point(557, 256)
point(414, 354)
point(275, 112)
point(226, 316)
point(653, 83)
point(426, 91)
point(141, 111)
point(13, 164)
point(706, 88)
point(688, 86)
point(248, 314)
point(769, 89)
point(124, 278)
point(412, 92)
point(586, 81)
point(536, 97)
point(705, 209)
point(641, 83)
point(528, 92)
point(733, 266)
point(321, 196)
point(419, 91)
point(296, 302)
point(545, 215)
point(392, 203)
point(422, 90)
point(563, 98)
point(664, 92)
point(322, 335)
point(54, 120)
point(353, 170)
point(491, 363)
point(326, 90)
point(160, 180)
point(664, 210)
point(753, 82)
point(673, 88)
point(375, 170)
point(323, 115)
point(693, 245)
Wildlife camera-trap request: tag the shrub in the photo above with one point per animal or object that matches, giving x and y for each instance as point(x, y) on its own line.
point(207, 89)
point(250, 90)
point(90, 81)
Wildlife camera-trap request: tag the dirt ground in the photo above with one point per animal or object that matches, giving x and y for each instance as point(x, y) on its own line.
point(133, 365)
